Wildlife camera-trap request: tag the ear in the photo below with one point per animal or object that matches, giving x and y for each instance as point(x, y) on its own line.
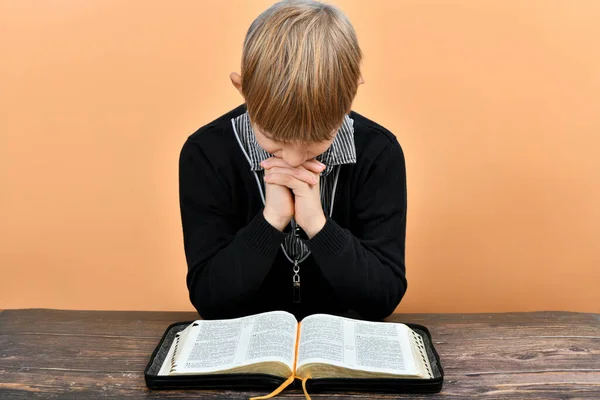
point(361, 81)
point(236, 79)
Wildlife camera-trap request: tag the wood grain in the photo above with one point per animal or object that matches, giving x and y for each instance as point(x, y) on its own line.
point(57, 354)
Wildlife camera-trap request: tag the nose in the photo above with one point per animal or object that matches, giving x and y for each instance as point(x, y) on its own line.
point(294, 157)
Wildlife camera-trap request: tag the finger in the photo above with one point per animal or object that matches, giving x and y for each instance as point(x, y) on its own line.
point(315, 166)
point(274, 162)
point(286, 180)
point(299, 173)
point(315, 174)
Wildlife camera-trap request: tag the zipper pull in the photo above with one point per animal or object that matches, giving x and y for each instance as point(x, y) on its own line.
point(296, 283)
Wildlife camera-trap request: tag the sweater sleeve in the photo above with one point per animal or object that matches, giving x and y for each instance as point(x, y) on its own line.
point(366, 267)
point(226, 262)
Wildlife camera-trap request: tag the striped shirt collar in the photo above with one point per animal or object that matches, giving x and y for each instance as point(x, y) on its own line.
point(341, 151)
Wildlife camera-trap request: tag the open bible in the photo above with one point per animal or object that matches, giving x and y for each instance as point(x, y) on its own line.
point(320, 347)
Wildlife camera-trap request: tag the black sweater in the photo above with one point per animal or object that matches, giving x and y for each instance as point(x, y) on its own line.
point(235, 262)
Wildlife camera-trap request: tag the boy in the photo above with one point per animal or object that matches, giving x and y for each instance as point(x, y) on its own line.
point(292, 201)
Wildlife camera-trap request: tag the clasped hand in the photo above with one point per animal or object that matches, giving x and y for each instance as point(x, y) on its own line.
point(281, 180)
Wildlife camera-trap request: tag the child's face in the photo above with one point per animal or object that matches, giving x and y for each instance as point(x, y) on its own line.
point(294, 154)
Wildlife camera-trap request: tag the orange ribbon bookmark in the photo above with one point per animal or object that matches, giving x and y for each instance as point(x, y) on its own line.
point(289, 380)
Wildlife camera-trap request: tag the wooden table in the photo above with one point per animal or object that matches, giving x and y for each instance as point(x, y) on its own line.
point(54, 354)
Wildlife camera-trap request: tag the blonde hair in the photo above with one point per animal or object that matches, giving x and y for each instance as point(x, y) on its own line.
point(300, 70)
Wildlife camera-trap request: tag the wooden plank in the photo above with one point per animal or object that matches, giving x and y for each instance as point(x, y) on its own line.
point(85, 384)
point(521, 318)
point(146, 323)
point(522, 354)
point(77, 352)
point(82, 384)
point(89, 354)
point(118, 323)
point(132, 353)
point(507, 324)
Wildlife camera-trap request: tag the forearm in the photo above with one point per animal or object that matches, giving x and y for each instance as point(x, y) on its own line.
point(222, 285)
point(369, 281)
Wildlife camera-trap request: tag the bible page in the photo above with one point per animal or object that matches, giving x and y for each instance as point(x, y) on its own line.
point(380, 347)
point(225, 344)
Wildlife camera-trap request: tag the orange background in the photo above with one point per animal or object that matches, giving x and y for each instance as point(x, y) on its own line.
point(496, 104)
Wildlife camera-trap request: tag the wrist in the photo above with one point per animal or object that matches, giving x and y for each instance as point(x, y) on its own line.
point(315, 226)
point(276, 221)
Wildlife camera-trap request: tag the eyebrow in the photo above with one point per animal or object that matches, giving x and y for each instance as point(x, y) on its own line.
point(267, 135)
